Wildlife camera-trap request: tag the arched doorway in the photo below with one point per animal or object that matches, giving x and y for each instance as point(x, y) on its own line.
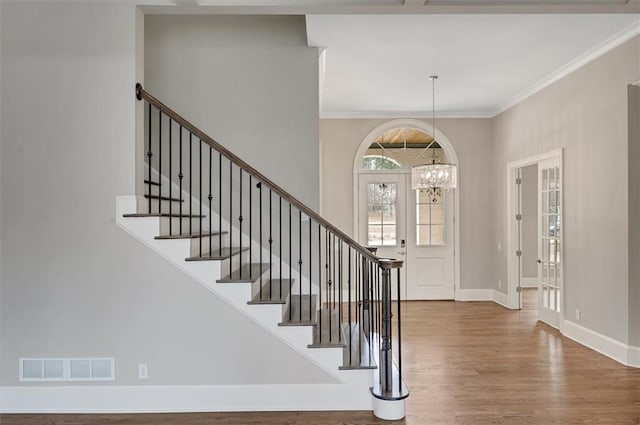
point(401, 222)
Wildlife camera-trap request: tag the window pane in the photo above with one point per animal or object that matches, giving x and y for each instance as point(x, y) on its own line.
point(375, 235)
point(388, 235)
point(437, 213)
point(437, 234)
point(389, 214)
point(381, 206)
point(423, 197)
point(545, 179)
point(422, 214)
point(423, 235)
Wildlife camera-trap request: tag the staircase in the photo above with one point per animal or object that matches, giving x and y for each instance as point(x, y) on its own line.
point(266, 253)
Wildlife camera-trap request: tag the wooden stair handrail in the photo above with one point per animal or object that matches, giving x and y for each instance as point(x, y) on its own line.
point(141, 93)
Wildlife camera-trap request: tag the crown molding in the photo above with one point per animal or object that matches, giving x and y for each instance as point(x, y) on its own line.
point(612, 42)
point(404, 114)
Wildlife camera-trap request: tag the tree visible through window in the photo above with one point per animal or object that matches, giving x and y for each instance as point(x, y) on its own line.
point(378, 162)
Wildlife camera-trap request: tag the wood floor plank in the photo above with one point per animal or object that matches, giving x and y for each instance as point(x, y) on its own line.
point(472, 363)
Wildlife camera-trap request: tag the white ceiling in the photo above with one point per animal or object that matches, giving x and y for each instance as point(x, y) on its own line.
point(489, 54)
point(378, 65)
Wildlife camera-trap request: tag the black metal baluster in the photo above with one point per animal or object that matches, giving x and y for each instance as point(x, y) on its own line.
point(149, 156)
point(259, 186)
point(271, 243)
point(200, 195)
point(170, 177)
point(210, 197)
point(340, 244)
point(291, 264)
point(280, 246)
point(250, 227)
point(300, 264)
point(231, 216)
point(357, 265)
point(399, 320)
point(159, 159)
point(180, 177)
point(190, 183)
point(349, 305)
point(220, 201)
point(380, 307)
point(330, 288)
point(310, 269)
point(320, 279)
point(240, 219)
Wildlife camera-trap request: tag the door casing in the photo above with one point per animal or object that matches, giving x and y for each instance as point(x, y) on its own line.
point(513, 271)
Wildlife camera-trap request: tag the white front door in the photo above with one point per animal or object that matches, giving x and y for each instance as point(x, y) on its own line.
point(549, 241)
point(410, 226)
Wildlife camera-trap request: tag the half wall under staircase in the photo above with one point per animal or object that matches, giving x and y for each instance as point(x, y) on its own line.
point(277, 261)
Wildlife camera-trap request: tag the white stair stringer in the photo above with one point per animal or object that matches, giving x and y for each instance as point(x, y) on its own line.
point(352, 388)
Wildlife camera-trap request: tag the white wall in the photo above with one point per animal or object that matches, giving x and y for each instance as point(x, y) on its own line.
point(584, 113)
point(73, 283)
point(529, 229)
point(634, 213)
point(471, 138)
point(250, 82)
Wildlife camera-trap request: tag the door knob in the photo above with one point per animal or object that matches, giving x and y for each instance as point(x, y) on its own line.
point(539, 261)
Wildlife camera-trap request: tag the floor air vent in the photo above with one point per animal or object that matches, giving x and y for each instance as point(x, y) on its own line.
point(67, 369)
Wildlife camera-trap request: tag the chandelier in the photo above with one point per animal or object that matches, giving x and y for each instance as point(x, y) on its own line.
point(434, 177)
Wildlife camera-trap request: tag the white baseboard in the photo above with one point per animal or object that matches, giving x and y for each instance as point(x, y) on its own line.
point(622, 353)
point(500, 298)
point(192, 398)
point(474, 295)
point(529, 282)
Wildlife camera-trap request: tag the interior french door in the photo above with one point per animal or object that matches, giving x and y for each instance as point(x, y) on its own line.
point(549, 241)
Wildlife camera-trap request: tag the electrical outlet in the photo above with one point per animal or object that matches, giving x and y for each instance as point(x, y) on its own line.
point(578, 314)
point(143, 371)
point(499, 284)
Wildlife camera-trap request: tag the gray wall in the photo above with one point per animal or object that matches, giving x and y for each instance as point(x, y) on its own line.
point(529, 210)
point(250, 82)
point(579, 113)
point(471, 139)
point(73, 283)
point(634, 214)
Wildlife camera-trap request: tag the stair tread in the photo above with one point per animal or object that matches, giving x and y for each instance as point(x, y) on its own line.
point(271, 292)
point(196, 235)
point(361, 355)
point(300, 311)
point(246, 273)
point(163, 198)
point(328, 332)
point(218, 254)
point(136, 215)
point(152, 183)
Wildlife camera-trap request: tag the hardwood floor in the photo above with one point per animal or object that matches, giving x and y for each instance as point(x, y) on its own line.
point(465, 363)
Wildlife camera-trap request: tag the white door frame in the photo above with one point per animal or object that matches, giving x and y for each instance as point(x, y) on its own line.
point(452, 158)
point(512, 227)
